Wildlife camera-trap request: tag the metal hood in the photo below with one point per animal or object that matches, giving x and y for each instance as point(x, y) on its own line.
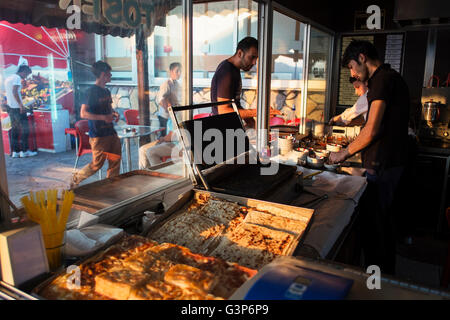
point(411, 13)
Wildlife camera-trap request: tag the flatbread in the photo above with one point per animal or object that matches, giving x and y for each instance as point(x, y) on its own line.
point(253, 246)
point(303, 214)
point(221, 211)
point(250, 258)
point(295, 227)
point(190, 230)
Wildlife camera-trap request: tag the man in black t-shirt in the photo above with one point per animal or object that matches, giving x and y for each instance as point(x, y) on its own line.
point(227, 82)
point(105, 144)
point(383, 142)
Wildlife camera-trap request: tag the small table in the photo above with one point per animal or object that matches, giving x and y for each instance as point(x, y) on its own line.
point(126, 132)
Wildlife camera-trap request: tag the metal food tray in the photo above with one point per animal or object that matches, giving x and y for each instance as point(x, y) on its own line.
point(181, 205)
point(89, 258)
point(97, 256)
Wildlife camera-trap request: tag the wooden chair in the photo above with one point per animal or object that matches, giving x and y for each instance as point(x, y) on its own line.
point(84, 147)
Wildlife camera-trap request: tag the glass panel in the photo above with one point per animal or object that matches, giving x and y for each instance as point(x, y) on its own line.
point(119, 54)
point(318, 72)
point(217, 29)
point(61, 82)
point(287, 60)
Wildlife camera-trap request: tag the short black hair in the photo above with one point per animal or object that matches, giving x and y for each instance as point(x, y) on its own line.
point(99, 67)
point(24, 68)
point(173, 65)
point(247, 43)
point(355, 48)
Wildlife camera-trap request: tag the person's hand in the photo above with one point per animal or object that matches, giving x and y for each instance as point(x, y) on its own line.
point(116, 116)
point(338, 157)
point(334, 120)
point(108, 118)
point(274, 112)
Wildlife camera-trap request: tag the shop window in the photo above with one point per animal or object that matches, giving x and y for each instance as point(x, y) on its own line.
point(61, 62)
point(217, 29)
point(120, 54)
point(318, 73)
point(288, 54)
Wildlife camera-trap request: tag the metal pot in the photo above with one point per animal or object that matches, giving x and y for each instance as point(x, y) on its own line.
point(431, 111)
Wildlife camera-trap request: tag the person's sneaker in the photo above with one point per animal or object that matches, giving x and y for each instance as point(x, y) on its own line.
point(30, 153)
point(15, 154)
point(22, 154)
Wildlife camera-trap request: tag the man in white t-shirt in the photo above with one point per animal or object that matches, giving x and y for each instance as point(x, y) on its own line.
point(169, 95)
point(17, 113)
point(357, 114)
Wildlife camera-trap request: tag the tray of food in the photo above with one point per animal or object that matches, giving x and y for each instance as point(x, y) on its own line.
point(245, 231)
point(136, 268)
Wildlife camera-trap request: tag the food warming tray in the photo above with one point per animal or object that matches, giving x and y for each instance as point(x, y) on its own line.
point(184, 200)
point(240, 173)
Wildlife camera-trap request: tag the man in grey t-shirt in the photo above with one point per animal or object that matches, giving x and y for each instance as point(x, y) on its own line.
point(169, 95)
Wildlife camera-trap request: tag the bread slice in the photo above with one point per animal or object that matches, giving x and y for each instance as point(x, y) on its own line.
point(190, 278)
point(156, 290)
point(118, 283)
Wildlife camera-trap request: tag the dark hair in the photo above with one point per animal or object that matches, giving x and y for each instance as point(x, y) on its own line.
point(99, 67)
point(24, 68)
point(355, 48)
point(247, 43)
point(173, 65)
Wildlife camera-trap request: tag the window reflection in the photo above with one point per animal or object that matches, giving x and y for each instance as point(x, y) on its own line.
point(319, 54)
point(288, 62)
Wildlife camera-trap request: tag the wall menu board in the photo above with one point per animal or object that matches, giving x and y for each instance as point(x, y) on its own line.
point(393, 53)
point(347, 95)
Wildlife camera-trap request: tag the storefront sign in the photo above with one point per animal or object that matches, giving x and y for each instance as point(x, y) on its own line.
point(123, 13)
point(126, 13)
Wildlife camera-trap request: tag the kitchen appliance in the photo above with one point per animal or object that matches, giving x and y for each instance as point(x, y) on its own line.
point(431, 111)
point(221, 157)
point(435, 115)
point(339, 132)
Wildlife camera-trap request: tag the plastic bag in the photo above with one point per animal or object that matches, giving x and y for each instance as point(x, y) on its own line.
point(6, 123)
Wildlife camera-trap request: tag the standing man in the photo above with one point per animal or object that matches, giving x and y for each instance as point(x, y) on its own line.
point(169, 95)
point(357, 114)
point(20, 128)
point(105, 143)
point(383, 142)
point(227, 82)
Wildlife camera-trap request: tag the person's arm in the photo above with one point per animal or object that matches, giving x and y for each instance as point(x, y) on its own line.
point(336, 120)
point(85, 114)
point(166, 138)
point(244, 113)
point(163, 95)
point(16, 94)
point(367, 134)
